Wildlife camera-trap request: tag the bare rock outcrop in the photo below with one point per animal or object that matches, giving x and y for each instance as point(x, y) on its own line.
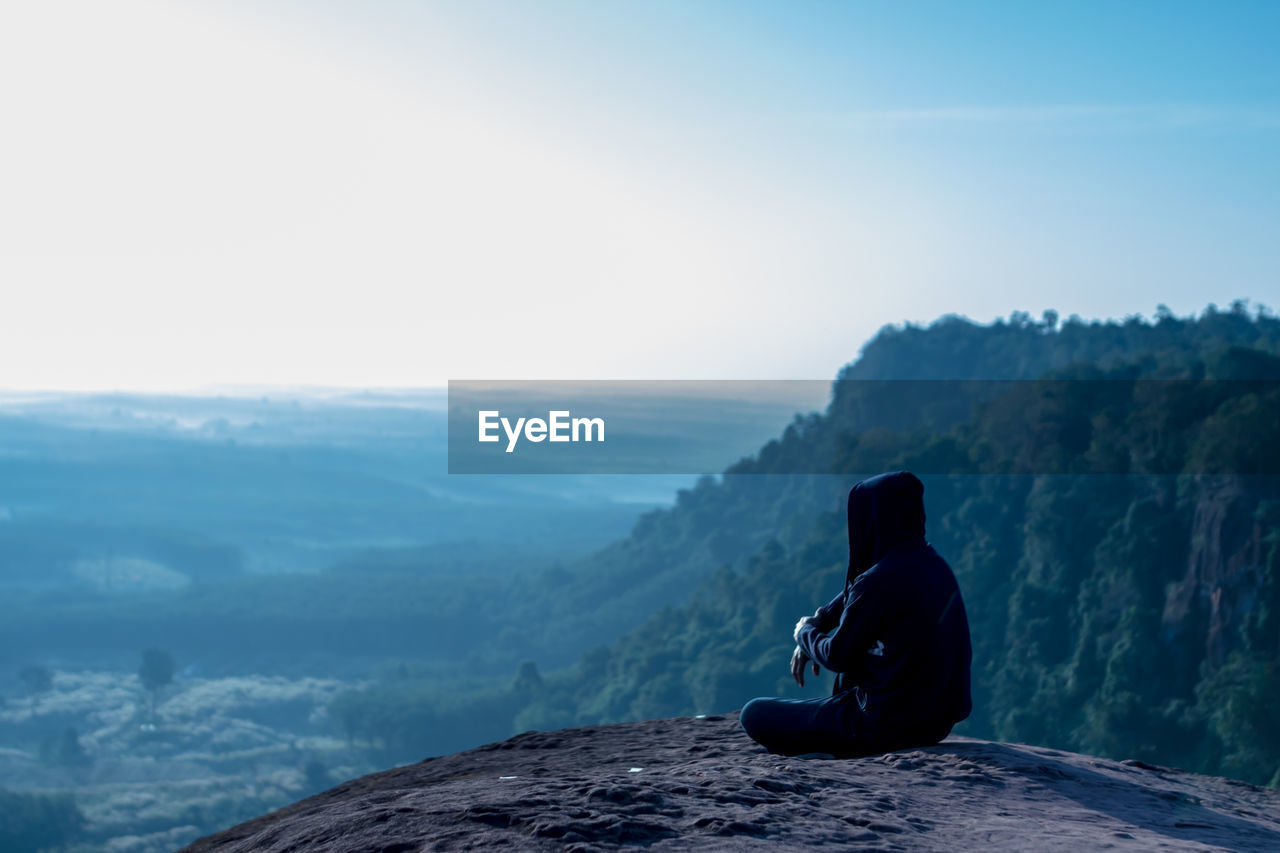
point(701, 784)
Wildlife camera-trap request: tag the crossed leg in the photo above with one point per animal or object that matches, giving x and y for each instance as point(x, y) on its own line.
point(800, 726)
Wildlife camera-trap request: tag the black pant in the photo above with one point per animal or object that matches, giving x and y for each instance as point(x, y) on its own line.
point(833, 724)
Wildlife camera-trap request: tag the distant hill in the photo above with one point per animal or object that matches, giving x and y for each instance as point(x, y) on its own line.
point(724, 520)
point(1134, 615)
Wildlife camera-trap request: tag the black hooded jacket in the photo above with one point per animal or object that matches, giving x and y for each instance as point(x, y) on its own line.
point(897, 636)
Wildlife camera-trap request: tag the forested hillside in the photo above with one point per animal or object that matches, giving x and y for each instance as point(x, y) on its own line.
point(1127, 603)
point(723, 520)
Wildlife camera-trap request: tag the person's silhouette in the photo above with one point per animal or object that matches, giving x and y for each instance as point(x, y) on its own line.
point(896, 636)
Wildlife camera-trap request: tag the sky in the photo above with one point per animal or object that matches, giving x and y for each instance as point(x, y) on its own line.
point(395, 194)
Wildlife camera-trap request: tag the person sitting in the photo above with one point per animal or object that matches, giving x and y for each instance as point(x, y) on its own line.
point(897, 638)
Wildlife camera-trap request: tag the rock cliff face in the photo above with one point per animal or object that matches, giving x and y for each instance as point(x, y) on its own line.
point(700, 784)
point(1224, 568)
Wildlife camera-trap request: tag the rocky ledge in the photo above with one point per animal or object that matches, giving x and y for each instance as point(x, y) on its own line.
point(700, 784)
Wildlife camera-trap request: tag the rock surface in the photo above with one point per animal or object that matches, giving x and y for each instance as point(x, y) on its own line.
point(701, 784)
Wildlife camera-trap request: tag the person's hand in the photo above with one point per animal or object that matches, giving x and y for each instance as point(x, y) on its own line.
point(799, 663)
point(806, 620)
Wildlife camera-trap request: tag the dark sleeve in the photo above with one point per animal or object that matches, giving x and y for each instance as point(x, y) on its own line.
point(840, 650)
point(830, 612)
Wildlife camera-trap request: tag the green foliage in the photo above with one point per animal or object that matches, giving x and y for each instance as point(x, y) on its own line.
point(1239, 700)
point(408, 603)
point(1127, 615)
point(1130, 615)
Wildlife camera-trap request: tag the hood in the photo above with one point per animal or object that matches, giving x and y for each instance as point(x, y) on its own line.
point(885, 512)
